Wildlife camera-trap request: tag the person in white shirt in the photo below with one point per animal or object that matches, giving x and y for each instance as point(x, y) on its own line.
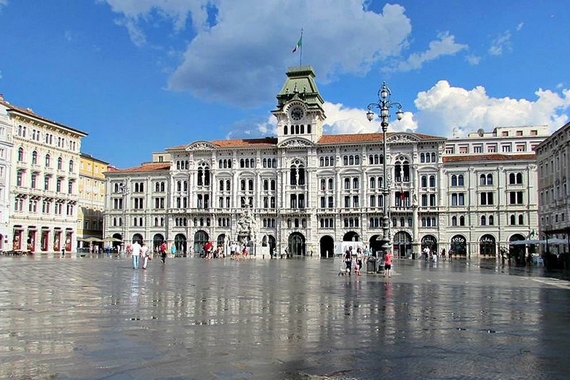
point(136, 252)
point(144, 255)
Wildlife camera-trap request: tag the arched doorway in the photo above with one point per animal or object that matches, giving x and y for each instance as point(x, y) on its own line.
point(517, 251)
point(157, 240)
point(138, 237)
point(296, 244)
point(430, 242)
point(458, 245)
point(487, 246)
point(375, 245)
point(180, 244)
point(200, 238)
point(326, 245)
point(402, 245)
point(351, 236)
point(221, 243)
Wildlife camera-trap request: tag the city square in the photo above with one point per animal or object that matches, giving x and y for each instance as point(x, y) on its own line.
point(96, 317)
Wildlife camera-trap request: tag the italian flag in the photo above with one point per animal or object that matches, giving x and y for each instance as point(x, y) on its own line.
point(299, 44)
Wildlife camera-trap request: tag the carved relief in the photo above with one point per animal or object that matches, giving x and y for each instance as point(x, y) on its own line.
point(200, 145)
point(402, 139)
point(296, 143)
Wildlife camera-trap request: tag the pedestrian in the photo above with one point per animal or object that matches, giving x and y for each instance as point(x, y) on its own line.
point(274, 254)
point(144, 255)
point(359, 259)
point(426, 253)
point(136, 252)
point(388, 264)
point(162, 251)
point(348, 260)
point(173, 250)
point(443, 254)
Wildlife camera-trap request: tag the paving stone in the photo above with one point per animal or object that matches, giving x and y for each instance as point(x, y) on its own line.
point(96, 317)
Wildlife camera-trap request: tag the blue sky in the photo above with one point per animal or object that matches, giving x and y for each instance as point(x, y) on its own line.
point(140, 76)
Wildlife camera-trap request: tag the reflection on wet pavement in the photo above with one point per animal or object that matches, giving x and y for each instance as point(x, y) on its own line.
point(94, 318)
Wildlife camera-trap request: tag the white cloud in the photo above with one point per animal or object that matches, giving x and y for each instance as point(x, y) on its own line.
point(443, 108)
point(444, 45)
point(340, 120)
point(237, 55)
point(473, 59)
point(3, 3)
point(501, 44)
point(440, 110)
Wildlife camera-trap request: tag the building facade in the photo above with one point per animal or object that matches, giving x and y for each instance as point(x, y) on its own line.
point(308, 192)
point(6, 145)
point(91, 201)
point(44, 176)
point(553, 161)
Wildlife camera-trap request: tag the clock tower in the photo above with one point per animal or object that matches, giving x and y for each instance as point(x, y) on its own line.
point(300, 115)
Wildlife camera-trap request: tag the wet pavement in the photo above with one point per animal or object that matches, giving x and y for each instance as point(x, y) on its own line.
point(97, 318)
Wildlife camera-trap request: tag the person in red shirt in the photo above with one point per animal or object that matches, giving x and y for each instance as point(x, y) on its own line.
point(388, 264)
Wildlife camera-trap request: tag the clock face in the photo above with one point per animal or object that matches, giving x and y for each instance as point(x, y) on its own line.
point(297, 113)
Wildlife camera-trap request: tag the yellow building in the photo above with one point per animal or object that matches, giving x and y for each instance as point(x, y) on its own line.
point(91, 202)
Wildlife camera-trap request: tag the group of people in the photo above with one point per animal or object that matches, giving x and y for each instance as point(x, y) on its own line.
point(428, 254)
point(354, 260)
point(140, 253)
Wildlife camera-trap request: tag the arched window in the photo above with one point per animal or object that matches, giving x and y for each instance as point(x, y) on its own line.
point(460, 181)
point(424, 181)
point(34, 158)
point(431, 181)
point(71, 165)
point(20, 154)
point(454, 180)
point(60, 163)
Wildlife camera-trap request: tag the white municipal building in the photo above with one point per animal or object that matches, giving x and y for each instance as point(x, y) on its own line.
point(309, 192)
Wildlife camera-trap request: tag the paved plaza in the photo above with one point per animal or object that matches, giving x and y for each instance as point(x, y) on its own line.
point(98, 318)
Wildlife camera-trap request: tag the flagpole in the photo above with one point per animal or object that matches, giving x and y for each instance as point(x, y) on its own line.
point(301, 52)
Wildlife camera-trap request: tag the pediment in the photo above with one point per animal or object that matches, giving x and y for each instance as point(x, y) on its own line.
point(200, 145)
point(402, 138)
point(296, 143)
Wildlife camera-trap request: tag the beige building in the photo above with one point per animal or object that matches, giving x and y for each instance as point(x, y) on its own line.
point(44, 178)
point(310, 193)
point(91, 201)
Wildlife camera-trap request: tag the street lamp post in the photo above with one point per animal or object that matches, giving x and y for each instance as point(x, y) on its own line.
point(383, 106)
point(124, 192)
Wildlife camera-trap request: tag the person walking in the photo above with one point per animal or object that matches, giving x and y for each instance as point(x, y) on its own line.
point(144, 255)
point(388, 264)
point(162, 250)
point(136, 252)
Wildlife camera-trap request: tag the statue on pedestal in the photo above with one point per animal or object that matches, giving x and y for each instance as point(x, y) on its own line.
point(247, 228)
